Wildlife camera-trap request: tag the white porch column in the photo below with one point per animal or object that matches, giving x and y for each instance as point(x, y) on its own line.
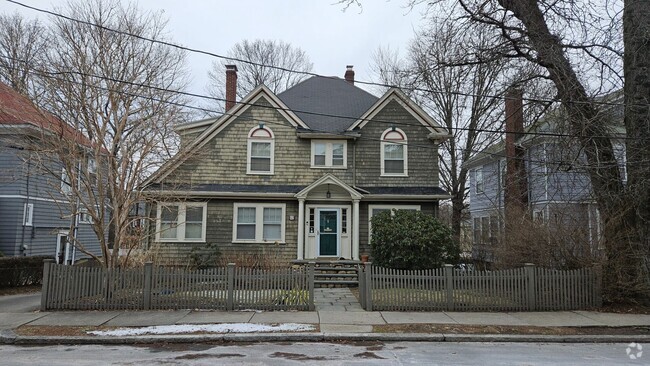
point(301, 228)
point(355, 231)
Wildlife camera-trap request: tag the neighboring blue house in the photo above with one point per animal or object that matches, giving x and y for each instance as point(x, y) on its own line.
point(35, 216)
point(545, 173)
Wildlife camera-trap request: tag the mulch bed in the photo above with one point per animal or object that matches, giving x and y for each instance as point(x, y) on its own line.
point(392, 328)
point(498, 329)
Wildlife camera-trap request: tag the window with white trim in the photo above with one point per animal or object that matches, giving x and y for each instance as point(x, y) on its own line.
point(92, 170)
point(66, 183)
point(479, 182)
point(375, 209)
point(84, 216)
point(329, 154)
point(178, 222)
point(394, 159)
point(28, 214)
point(261, 145)
point(257, 223)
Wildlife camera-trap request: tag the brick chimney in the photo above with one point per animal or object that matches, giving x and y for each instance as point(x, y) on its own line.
point(516, 183)
point(349, 74)
point(231, 86)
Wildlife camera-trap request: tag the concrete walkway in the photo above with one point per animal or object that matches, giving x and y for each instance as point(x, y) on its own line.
point(335, 299)
point(339, 321)
point(337, 312)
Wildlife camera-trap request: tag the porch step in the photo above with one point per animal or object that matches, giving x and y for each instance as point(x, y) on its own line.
point(352, 275)
point(327, 283)
point(333, 273)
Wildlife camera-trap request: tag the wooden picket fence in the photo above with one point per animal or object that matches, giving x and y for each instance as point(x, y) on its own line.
point(445, 289)
point(149, 287)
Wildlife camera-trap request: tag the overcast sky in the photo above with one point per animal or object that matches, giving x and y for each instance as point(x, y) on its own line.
point(332, 38)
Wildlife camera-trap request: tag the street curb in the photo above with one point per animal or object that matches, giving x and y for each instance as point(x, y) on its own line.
point(13, 339)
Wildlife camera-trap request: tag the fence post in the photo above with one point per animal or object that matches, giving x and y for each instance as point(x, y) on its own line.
point(148, 279)
point(230, 276)
point(310, 284)
point(531, 282)
point(598, 285)
point(449, 286)
point(368, 286)
point(45, 284)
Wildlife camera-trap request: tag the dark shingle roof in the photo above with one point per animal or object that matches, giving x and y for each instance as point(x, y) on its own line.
point(326, 96)
point(405, 190)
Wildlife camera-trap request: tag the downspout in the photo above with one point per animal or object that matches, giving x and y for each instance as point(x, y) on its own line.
point(354, 163)
point(75, 220)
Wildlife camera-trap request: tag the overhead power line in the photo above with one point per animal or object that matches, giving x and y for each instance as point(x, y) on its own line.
point(57, 76)
point(216, 55)
point(351, 118)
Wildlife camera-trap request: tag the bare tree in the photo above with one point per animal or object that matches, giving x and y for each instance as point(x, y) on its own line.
point(119, 94)
point(276, 64)
point(22, 50)
point(579, 46)
point(461, 98)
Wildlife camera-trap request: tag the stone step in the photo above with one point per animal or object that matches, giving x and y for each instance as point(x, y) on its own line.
point(316, 269)
point(352, 275)
point(335, 282)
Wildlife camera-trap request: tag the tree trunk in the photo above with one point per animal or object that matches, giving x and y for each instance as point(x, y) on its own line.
point(624, 270)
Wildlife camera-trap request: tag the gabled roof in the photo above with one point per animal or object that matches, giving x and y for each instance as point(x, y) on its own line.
point(222, 122)
point(329, 179)
point(18, 110)
point(418, 113)
point(327, 104)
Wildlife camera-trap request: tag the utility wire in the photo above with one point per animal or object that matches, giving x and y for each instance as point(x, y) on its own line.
point(212, 98)
point(57, 76)
point(216, 55)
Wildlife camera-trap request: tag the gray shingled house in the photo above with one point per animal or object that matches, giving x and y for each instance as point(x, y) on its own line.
point(299, 173)
point(36, 217)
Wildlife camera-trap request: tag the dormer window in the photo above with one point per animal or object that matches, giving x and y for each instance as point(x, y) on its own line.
point(328, 154)
point(394, 160)
point(260, 151)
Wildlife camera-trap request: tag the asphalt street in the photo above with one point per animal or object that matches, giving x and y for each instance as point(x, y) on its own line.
point(373, 353)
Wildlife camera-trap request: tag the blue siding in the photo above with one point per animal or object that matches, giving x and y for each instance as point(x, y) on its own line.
point(23, 181)
point(492, 196)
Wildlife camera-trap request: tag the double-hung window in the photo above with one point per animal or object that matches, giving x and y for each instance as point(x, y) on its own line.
point(28, 214)
point(92, 171)
point(394, 160)
point(326, 154)
point(260, 151)
point(180, 222)
point(258, 222)
point(66, 182)
point(480, 184)
point(84, 216)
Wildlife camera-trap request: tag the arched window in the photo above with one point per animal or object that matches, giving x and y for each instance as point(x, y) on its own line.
point(394, 161)
point(260, 150)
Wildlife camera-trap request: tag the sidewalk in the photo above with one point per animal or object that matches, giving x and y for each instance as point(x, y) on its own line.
point(337, 316)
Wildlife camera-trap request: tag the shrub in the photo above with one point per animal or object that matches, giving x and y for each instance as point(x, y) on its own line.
point(21, 271)
point(406, 239)
point(206, 257)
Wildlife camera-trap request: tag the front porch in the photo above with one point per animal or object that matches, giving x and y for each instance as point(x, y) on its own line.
point(328, 220)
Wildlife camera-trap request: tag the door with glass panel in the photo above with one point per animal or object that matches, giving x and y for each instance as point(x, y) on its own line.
point(328, 232)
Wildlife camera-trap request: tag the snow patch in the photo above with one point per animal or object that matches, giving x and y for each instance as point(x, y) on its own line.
point(207, 328)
